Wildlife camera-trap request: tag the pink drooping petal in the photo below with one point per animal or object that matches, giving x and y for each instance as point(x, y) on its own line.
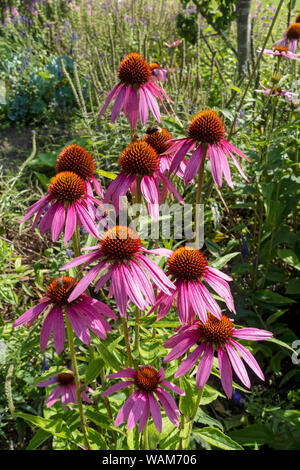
point(88, 258)
point(253, 334)
point(133, 291)
point(225, 372)
point(110, 97)
point(144, 282)
point(222, 289)
point(171, 188)
point(103, 280)
point(249, 359)
point(149, 189)
point(59, 334)
point(58, 222)
point(216, 165)
point(124, 411)
point(181, 347)
point(97, 187)
point(144, 111)
point(193, 165)
point(188, 363)
point(79, 325)
point(183, 303)
point(71, 222)
point(37, 206)
point(116, 387)
point(145, 413)
point(210, 302)
point(218, 273)
point(133, 107)
point(119, 289)
point(86, 220)
point(234, 149)
point(85, 282)
point(136, 411)
point(205, 366)
point(170, 410)
point(172, 387)
point(187, 145)
point(155, 412)
point(54, 396)
point(238, 365)
point(46, 221)
point(152, 104)
point(225, 166)
point(31, 314)
point(46, 330)
point(197, 302)
point(158, 276)
point(118, 104)
point(126, 372)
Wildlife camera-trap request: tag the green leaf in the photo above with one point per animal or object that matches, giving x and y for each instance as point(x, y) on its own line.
point(96, 440)
point(38, 439)
point(293, 286)
point(93, 370)
point(220, 262)
point(217, 438)
point(51, 426)
point(281, 343)
point(109, 357)
point(107, 174)
point(289, 257)
point(209, 395)
point(203, 418)
point(273, 298)
point(253, 434)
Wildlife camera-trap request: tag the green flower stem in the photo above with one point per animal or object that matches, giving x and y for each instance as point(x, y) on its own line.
point(137, 330)
point(198, 194)
point(77, 380)
point(146, 438)
point(76, 242)
point(185, 441)
point(127, 342)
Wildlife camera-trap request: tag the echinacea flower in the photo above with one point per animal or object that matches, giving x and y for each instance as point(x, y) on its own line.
point(140, 163)
point(159, 139)
point(291, 37)
point(75, 158)
point(173, 44)
point(84, 314)
point(136, 92)
point(216, 335)
point(70, 205)
point(281, 51)
point(158, 72)
point(148, 384)
point(66, 389)
point(206, 130)
point(188, 269)
point(276, 91)
point(122, 256)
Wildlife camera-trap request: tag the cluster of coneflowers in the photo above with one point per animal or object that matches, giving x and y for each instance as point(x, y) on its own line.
point(284, 49)
point(120, 263)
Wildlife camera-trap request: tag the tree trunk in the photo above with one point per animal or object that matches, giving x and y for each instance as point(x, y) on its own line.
point(243, 14)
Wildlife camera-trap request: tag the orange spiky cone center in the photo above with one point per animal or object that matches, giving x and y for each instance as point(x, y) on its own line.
point(60, 289)
point(134, 70)
point(76, 159)
point(280, 49)
point(120, 243)
point(139, 158)
point(293, 31)
point(158, 138)
point(147, 379)
point(206, 127)
point(215, 331)
point(65, 378)
point(67, 186)
point(187, 263)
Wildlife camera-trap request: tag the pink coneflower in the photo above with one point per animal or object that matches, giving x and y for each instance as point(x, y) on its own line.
point(207, 130)
point(136, 92)
point(84, 314)
point(121, 255)
point(158, 72)
point(140, 165)
point(66, 389)
point(188, 268)
point(216, 335)
point(173, 44)
point(291, 38)
point(159, 139)
point(281, 51)
point(148, 383)
point(276, 91)
point(71, 205)
point(75, 158)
